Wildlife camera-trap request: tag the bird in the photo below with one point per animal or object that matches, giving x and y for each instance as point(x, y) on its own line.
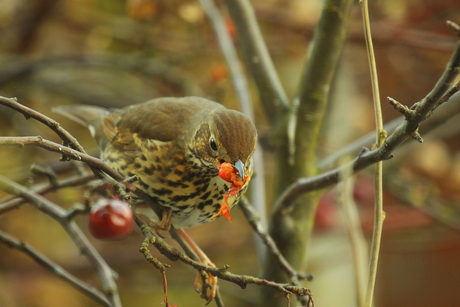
point(175, 147)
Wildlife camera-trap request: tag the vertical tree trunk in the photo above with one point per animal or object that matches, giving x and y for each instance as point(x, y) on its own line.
point(296, 152)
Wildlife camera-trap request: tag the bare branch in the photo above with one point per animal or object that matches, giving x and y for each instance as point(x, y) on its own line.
point(435, 121)
point(54, 147)
point(19, 67)
point(65, 136)
point(9, 202)
point(60, 215)
point(253, 220)
point(258, 61)
point(366, 158)
point(56, 269)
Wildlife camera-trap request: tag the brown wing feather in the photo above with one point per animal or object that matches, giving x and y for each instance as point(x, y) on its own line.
point(160, 119)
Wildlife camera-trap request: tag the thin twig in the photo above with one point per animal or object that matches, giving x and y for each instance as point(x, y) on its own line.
point(70, 153)
point(378, 180)
point(435, 121)
point(65, 136)
point(45, 171)
point(253, 220)
point(11, 202)
point(355, 236)
point(60, 215)
point(56, 269)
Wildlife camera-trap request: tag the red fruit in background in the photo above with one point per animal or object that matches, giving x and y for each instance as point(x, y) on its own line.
point(110, 219)
point(326, 215)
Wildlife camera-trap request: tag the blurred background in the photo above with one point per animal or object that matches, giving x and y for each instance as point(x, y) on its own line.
point(115, 53)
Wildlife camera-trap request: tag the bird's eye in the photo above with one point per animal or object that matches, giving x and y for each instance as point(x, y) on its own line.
point(213, 144)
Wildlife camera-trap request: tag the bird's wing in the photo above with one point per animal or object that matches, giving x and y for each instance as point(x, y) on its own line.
point(162, 119)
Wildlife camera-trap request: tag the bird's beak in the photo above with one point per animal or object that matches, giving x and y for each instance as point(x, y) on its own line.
point(239, 166)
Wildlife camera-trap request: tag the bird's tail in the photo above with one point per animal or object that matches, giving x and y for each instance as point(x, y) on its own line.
point(88, 116)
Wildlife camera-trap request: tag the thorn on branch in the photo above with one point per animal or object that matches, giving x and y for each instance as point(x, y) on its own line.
point(416, 136)
point(455, 27)
point(404, 110)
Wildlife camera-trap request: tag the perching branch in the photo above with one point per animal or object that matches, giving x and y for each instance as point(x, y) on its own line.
point(66, 137)
point(174, 254)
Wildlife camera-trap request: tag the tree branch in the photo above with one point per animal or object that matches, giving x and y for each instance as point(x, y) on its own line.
point(58, 148)
point(174, 254)
point(435, 121)
point(9, 202)
point(258, 61)
point(60, 215)
point(254, 221)
point(65, 136)
point(50, 265)
point(421, 112)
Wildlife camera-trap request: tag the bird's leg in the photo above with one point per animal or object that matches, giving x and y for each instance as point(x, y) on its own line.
point(211, 281)
point(166, 217)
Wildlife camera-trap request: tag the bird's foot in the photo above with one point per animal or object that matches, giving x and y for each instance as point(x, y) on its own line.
point(165, 223)
point(206, 284)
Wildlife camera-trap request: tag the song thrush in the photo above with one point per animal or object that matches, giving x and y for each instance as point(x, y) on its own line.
point(175, 146)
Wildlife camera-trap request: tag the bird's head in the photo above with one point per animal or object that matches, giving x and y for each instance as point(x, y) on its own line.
point(226, 136)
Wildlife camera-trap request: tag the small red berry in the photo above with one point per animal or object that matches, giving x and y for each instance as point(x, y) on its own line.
point(110, 219)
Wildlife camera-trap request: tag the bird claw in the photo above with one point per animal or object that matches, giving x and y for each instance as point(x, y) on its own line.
point(165, 222)
point(206, 283)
